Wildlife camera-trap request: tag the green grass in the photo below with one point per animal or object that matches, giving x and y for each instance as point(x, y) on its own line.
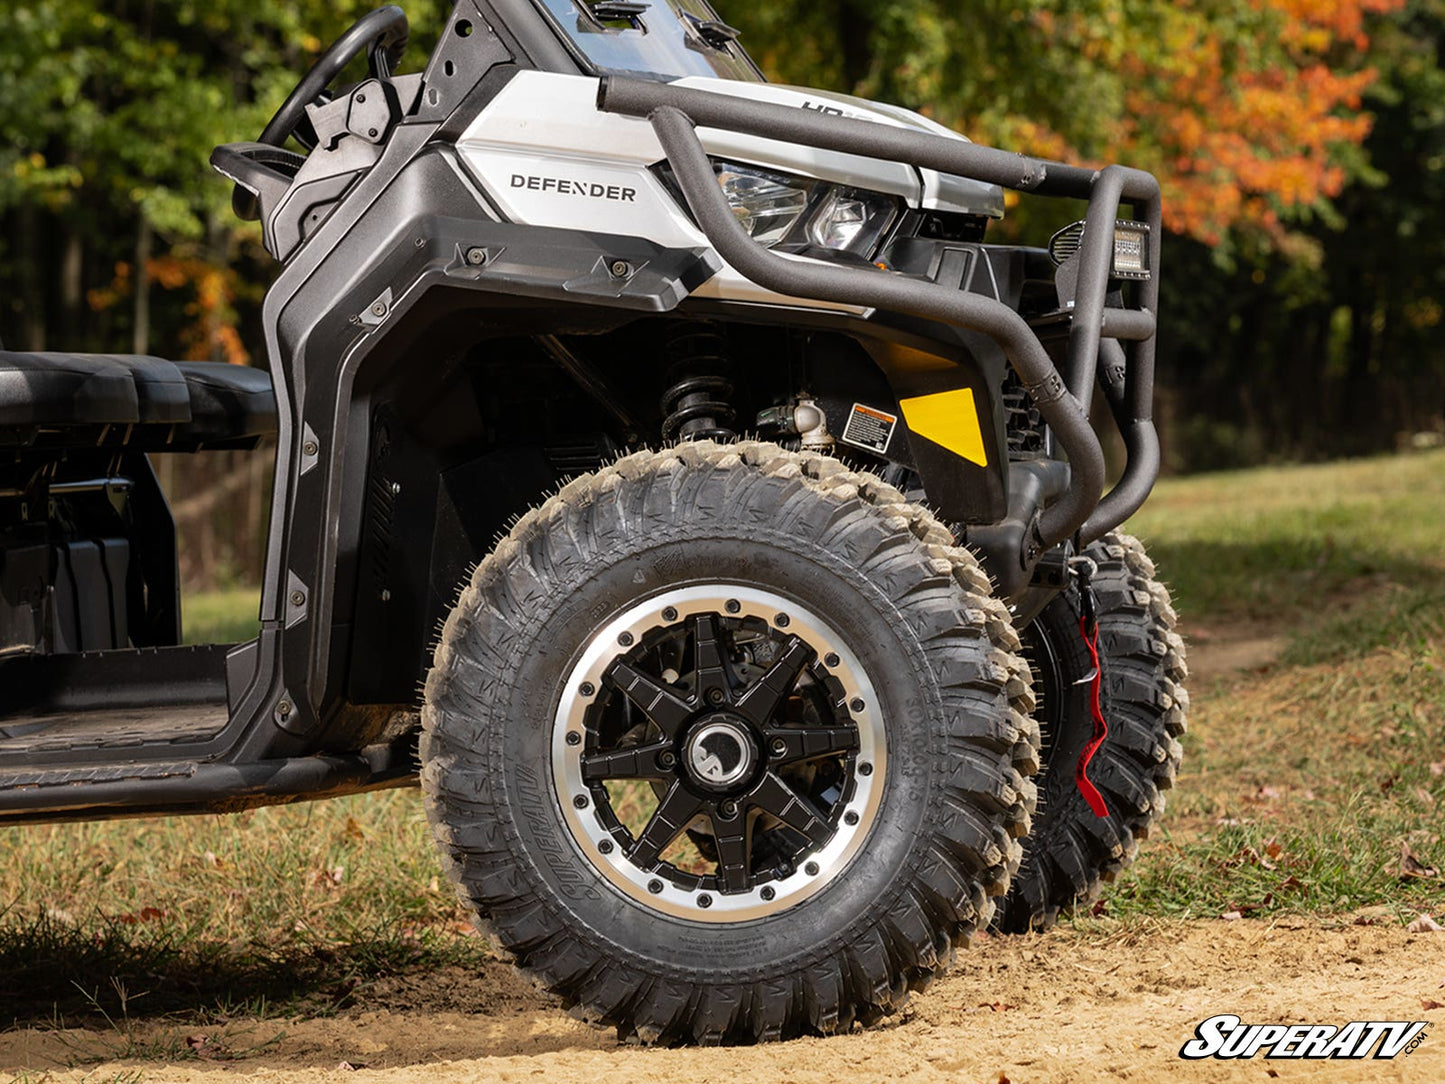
point(1305, 780)
point(1344, 558)
point(1302, 783)
point(221, 617)
point(275, 911)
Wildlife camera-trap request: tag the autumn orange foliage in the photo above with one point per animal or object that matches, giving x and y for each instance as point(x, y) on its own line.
point(1244, 128)
point(212, 332)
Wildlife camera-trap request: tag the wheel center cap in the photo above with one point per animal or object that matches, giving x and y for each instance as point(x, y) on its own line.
point(720, 752)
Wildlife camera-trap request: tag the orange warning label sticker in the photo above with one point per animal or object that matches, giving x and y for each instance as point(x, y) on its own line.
point(870, 428)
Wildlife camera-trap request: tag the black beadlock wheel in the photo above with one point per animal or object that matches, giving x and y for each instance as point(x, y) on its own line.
point(727, 743)
point(1072, 852)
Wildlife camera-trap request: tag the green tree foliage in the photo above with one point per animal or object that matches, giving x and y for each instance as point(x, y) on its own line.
point(108, 114)
point(1302, 318)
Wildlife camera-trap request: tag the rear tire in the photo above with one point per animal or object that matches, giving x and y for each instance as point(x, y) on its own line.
point(600, 611)
point(1073, 852)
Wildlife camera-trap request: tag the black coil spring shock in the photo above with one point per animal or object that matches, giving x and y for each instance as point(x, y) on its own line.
point(695, 405)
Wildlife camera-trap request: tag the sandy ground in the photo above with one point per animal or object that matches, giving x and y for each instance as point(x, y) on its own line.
point(1063, 1007)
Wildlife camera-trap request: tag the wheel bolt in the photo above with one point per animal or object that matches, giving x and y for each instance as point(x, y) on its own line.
point(574, 738)
point(654, 886)
point(811, 869)
point(768, 892)
point(732, 606)
point(587, 688)
point(714, 696)
point(782, 621)
point(850, 817)
point(667, 760)
point(704, 900)
point(728, 809)
point(580, 801)
point(865, 768)
point(604, 846)
point(856, 704)
point(778, 746)
point(831, 660)
point(625, 639)
point(669, 613)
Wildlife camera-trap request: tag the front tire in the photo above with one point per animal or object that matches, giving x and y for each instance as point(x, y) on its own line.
point(727, 743)
point(1073, 852)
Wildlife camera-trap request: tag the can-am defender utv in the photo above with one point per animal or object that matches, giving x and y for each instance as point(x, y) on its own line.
point(730, 736)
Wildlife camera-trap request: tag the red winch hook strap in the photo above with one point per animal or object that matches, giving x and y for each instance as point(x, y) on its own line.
point(1089, 630)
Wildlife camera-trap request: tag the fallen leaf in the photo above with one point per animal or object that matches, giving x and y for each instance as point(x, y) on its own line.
point(1412, 867)
point(349, 1067)
point(1100, 908)
point(353, 829)
point(1387, 784)
point(1424, 924)
point(1437, 768)
point(328, 878)
point(1003, 1079)
point(1424, 796)
point(151, 914)
point(996, 1006)
point(1428, 1004)
point(1231, 916)
point(202, 1046)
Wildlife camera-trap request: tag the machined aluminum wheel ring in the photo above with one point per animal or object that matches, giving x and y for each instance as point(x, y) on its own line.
point(722, 749)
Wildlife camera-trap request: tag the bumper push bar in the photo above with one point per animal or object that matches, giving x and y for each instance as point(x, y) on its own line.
point(1123, 337)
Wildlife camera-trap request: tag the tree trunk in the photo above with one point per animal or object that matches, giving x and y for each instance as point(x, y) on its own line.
point(855, 35)
point(141, 337)
point(32, 291)
point(72, 284)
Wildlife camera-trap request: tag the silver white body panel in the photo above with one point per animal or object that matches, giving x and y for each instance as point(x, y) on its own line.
point(603, 180)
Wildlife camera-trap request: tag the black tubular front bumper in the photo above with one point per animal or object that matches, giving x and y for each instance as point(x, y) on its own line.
point(1125, 336)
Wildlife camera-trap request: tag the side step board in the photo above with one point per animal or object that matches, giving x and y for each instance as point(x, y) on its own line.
point(156, 788)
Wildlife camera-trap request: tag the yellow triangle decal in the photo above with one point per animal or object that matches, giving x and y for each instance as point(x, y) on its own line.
point(949, 418)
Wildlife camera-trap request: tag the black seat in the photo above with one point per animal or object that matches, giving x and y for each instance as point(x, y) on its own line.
point(144, 402)
point(228, 402)
point(65, 390)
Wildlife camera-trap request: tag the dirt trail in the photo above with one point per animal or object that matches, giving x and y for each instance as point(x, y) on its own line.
point(1066, 1007)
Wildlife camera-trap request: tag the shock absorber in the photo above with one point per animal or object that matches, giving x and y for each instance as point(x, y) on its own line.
point(696, 404)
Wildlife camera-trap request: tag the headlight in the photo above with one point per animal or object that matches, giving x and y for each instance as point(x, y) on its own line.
point(1131, 248)
point(848, 220)
point(767, 205)
point(803, 215)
